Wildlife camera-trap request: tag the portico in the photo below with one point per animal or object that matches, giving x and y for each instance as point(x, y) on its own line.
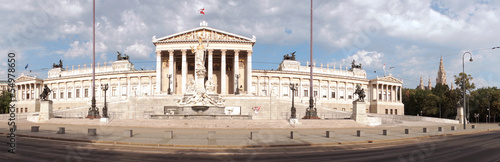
point(227, 55)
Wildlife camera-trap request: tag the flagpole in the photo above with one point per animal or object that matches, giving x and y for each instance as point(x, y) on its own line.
point(93, 111)
point(311, 112)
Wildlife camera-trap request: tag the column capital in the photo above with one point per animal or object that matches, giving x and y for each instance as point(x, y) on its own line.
point(158, 52)
point(236, 51)
point(223, 51)
point(210, 50)
point(183, 51)
point(170, 51)
point(249, 52)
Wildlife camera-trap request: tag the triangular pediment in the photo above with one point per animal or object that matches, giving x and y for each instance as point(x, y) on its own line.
point(206, 33)
point(390, 79)
point(23, 78)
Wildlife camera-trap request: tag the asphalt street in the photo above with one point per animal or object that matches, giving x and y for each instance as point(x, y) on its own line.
point(483, 146)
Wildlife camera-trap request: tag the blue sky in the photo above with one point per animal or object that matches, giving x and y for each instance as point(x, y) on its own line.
point(410, 36)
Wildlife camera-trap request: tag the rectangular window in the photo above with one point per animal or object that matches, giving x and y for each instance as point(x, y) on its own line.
point(145, 90)
point(69, 94)
point(285, 91)
point(77, 93)
point(113, 91)
point(349, 94)
point(54, 94)
point(86, 93)
point(386, 111)
point(341, 95)
point(124, 90)
point(296, 92)
point(333, 94)
point(379, 95)
point(61, 95)
point(391, 111)
point(306, 93)
point(396, 111)
point(315, 93)
point(254, 89)
point(324, 93)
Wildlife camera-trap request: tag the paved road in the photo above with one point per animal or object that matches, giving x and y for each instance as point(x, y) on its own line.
point(472, 147)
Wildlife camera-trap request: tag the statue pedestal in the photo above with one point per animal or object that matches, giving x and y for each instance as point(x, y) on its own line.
point(460, 115)
point(359, 112)
point(45, 110)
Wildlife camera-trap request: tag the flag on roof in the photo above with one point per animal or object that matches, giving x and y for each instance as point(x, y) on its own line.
point(202, 11)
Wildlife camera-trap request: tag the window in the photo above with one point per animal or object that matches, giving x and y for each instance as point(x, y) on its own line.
point(25, 109)
point(324, 93)
point(27, 97)
point(341, 94)
point(254, 89)
point(145, 90)
point(315, 93)
point(296, 93)
point(386, 111)
point(391, 111)
point(124, 90)
point(285, 91)
point(77, 93)
point(349, 94)
point(343, 109)
point(61, 95)
point(21, 110)
point(69, 94)
point(86, 92)
point(390, 96)
point(379, 95)
point(54, 94)
point(306, 93)
point(396, 111)
point(17, 110)
point(113, 91)
point(333, 94)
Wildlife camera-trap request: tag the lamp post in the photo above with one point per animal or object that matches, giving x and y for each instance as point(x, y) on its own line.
point(169, 83)
point(463, 83)
point(237, 92)
point(293, 87)
point(104, 87)
point(311, 112)
point(93, 110)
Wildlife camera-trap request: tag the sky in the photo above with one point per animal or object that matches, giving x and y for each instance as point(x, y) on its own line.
point(409, 37)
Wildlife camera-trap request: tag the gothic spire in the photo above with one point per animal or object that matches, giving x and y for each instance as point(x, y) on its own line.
point(441, 78)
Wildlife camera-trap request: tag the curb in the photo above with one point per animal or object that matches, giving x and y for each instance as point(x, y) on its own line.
point(248, 146)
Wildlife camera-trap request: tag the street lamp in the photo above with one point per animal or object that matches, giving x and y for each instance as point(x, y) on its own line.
point(293, 87)
point(463, 82)
point(237, 88)
point(169, 83)
point(104, 87)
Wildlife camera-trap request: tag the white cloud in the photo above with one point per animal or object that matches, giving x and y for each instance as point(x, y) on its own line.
point(141, 51)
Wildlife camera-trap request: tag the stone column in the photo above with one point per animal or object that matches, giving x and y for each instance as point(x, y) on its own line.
point(210, 64)
point(128, 86)
point(184, 71)
point(257, 87)
point(249, 71)
point(158, 71)
point(171, 70)
point(81, 89)
point(345, 92)
point(376, 92)
point(36, 92)
point(386, 93)
point(280, 93)
point(223, 86)
point(140, 87)
point(65, 91)
point(400, 93)
point(236, 69)
point(150, 85)
point(336, 90)
point(300, 88)
point(119, 88)
point(329, 93)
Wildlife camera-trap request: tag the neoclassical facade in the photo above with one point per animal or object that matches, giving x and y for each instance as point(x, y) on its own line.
point(227, 58)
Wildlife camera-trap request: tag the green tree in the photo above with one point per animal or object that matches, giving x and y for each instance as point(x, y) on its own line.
point(5, 99)
point(469, 86)
point(440, 91)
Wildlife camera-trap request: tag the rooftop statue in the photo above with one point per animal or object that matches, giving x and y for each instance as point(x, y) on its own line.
point(120, 57)
point(60, 65)
point(290, 56)
point(353, 65)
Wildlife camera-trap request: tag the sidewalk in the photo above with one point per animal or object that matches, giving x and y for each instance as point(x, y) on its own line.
point(152, 132)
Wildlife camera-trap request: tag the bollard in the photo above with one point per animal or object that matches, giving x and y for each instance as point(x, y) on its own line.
point(407, 131)
point(385, 132)
point(424, 130)
point(35, 128)
point(211, 135)
point(169, 134)
point(254, 135)
point(294, 135)
point(127, 133)
point(473, 126)
point(329, 134)
point(440, 129)
point(360, 133)
point(92, 132)
point(62, 130)
point(453, 128)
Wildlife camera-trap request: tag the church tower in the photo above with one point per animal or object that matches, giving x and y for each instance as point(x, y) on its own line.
point(421, 86)
point(441, 78)
point(429, 86)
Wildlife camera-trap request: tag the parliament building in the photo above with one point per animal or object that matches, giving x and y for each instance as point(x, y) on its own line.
point(207, 66)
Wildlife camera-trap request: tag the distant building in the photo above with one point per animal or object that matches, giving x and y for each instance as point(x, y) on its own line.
point(441, 76)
